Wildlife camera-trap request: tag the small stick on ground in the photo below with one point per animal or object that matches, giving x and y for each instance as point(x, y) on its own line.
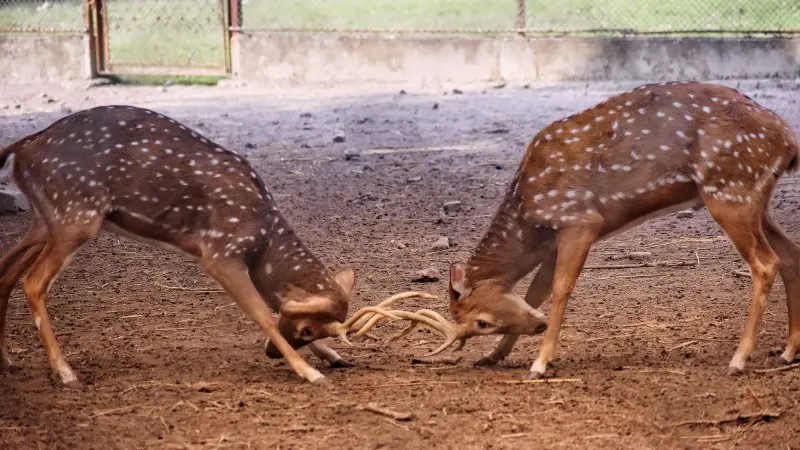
point(603, 338)
point(115, 410)
point(181, 288)
point(513, 435)
point(414, 383)
point(742, 273)
point(544, 381)
point(396, 415)
point(445, 360)
point(685, 344)
point(394, 422)
point(741, 418)
point(648, 264)
point(755, 397)
point(778, 369)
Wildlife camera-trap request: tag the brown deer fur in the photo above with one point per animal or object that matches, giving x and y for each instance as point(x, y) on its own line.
point(637, 155)
point(140, 174)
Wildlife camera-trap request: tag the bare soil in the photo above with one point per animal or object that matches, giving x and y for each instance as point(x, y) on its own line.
point(168, 361)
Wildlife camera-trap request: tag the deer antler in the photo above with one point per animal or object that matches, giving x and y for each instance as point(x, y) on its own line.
point(364, 322)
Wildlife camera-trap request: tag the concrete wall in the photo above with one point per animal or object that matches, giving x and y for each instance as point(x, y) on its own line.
point(29, 58)
point(300, 57)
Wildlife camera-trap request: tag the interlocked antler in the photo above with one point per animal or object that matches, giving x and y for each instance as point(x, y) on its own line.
point(362, 321)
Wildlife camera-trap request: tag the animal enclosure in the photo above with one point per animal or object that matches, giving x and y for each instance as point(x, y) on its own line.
point(170, 362)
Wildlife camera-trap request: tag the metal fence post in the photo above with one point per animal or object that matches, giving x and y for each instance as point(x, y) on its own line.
point(520, 14)
point(233, 27)
point(94, 13)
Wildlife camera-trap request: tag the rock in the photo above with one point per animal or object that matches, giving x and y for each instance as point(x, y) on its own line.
point(414, 179)
point(428, 275)
point(97, 82)
point(436, 106)
point(442, 244)
point(452, 206)
point(403, 92)
point(339, 138)
point(65, 109)
point(685, 214)
point(12, 200)
point(442, 217)
point(640, 256)
point(249, 145)
point(305, 115)
point(352, 155)
point(457, 91)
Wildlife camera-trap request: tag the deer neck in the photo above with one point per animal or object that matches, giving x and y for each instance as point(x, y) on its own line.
point(286, 267)
point(509, 249)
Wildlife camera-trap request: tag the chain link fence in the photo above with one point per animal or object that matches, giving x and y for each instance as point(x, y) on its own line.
point(195, 33)
point(530, 16)
point(187, 33)
point(37, 16)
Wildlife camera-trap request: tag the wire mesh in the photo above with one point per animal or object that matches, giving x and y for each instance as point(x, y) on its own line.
point(38, 16)
point(182, 33)
point(534, 16)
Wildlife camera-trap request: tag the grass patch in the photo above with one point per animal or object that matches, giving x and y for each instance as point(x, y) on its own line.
point(165, 80)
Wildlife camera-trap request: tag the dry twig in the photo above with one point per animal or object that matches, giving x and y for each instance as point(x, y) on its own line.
point(396, 415)
point(685, 344)
point(544, 381)
point(444, 360)
point(778, 369)
point(645, 264)
point(181, 288)
point(741, 418)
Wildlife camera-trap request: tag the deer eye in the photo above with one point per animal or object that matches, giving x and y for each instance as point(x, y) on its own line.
point(307, 333)
point(482, 324)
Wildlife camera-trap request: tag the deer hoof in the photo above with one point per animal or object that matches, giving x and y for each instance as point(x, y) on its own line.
point(534, 375)
point(323, 383)
point(734, 371)
point(73, 385)
point(341, 364)
point(486, 361)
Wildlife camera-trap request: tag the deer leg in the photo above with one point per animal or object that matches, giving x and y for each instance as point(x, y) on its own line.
point(573, 245)
point(328, 355)
point(538, 291)
point(745, 231)
point(53, 259)
point(789, 254)
point(234, 278)
point(12, 265)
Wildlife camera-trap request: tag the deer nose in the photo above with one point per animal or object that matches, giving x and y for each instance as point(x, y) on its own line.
point(272, 351)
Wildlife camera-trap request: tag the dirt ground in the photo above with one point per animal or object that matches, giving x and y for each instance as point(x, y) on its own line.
point(167, 361)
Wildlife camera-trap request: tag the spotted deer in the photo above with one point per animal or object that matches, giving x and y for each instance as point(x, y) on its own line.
point(142, 175)
point(635, 156)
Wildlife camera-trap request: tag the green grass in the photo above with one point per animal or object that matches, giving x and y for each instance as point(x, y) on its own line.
point(189, 32)
point(162, 80)
point(542, 15)
point(157, 32)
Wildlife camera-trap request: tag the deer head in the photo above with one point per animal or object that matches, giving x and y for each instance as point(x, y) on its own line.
point(489, 307)
point(305, 318)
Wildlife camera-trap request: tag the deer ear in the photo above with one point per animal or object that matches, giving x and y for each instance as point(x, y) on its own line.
point(458, 280)
point(346, 279)
point(313, 306)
